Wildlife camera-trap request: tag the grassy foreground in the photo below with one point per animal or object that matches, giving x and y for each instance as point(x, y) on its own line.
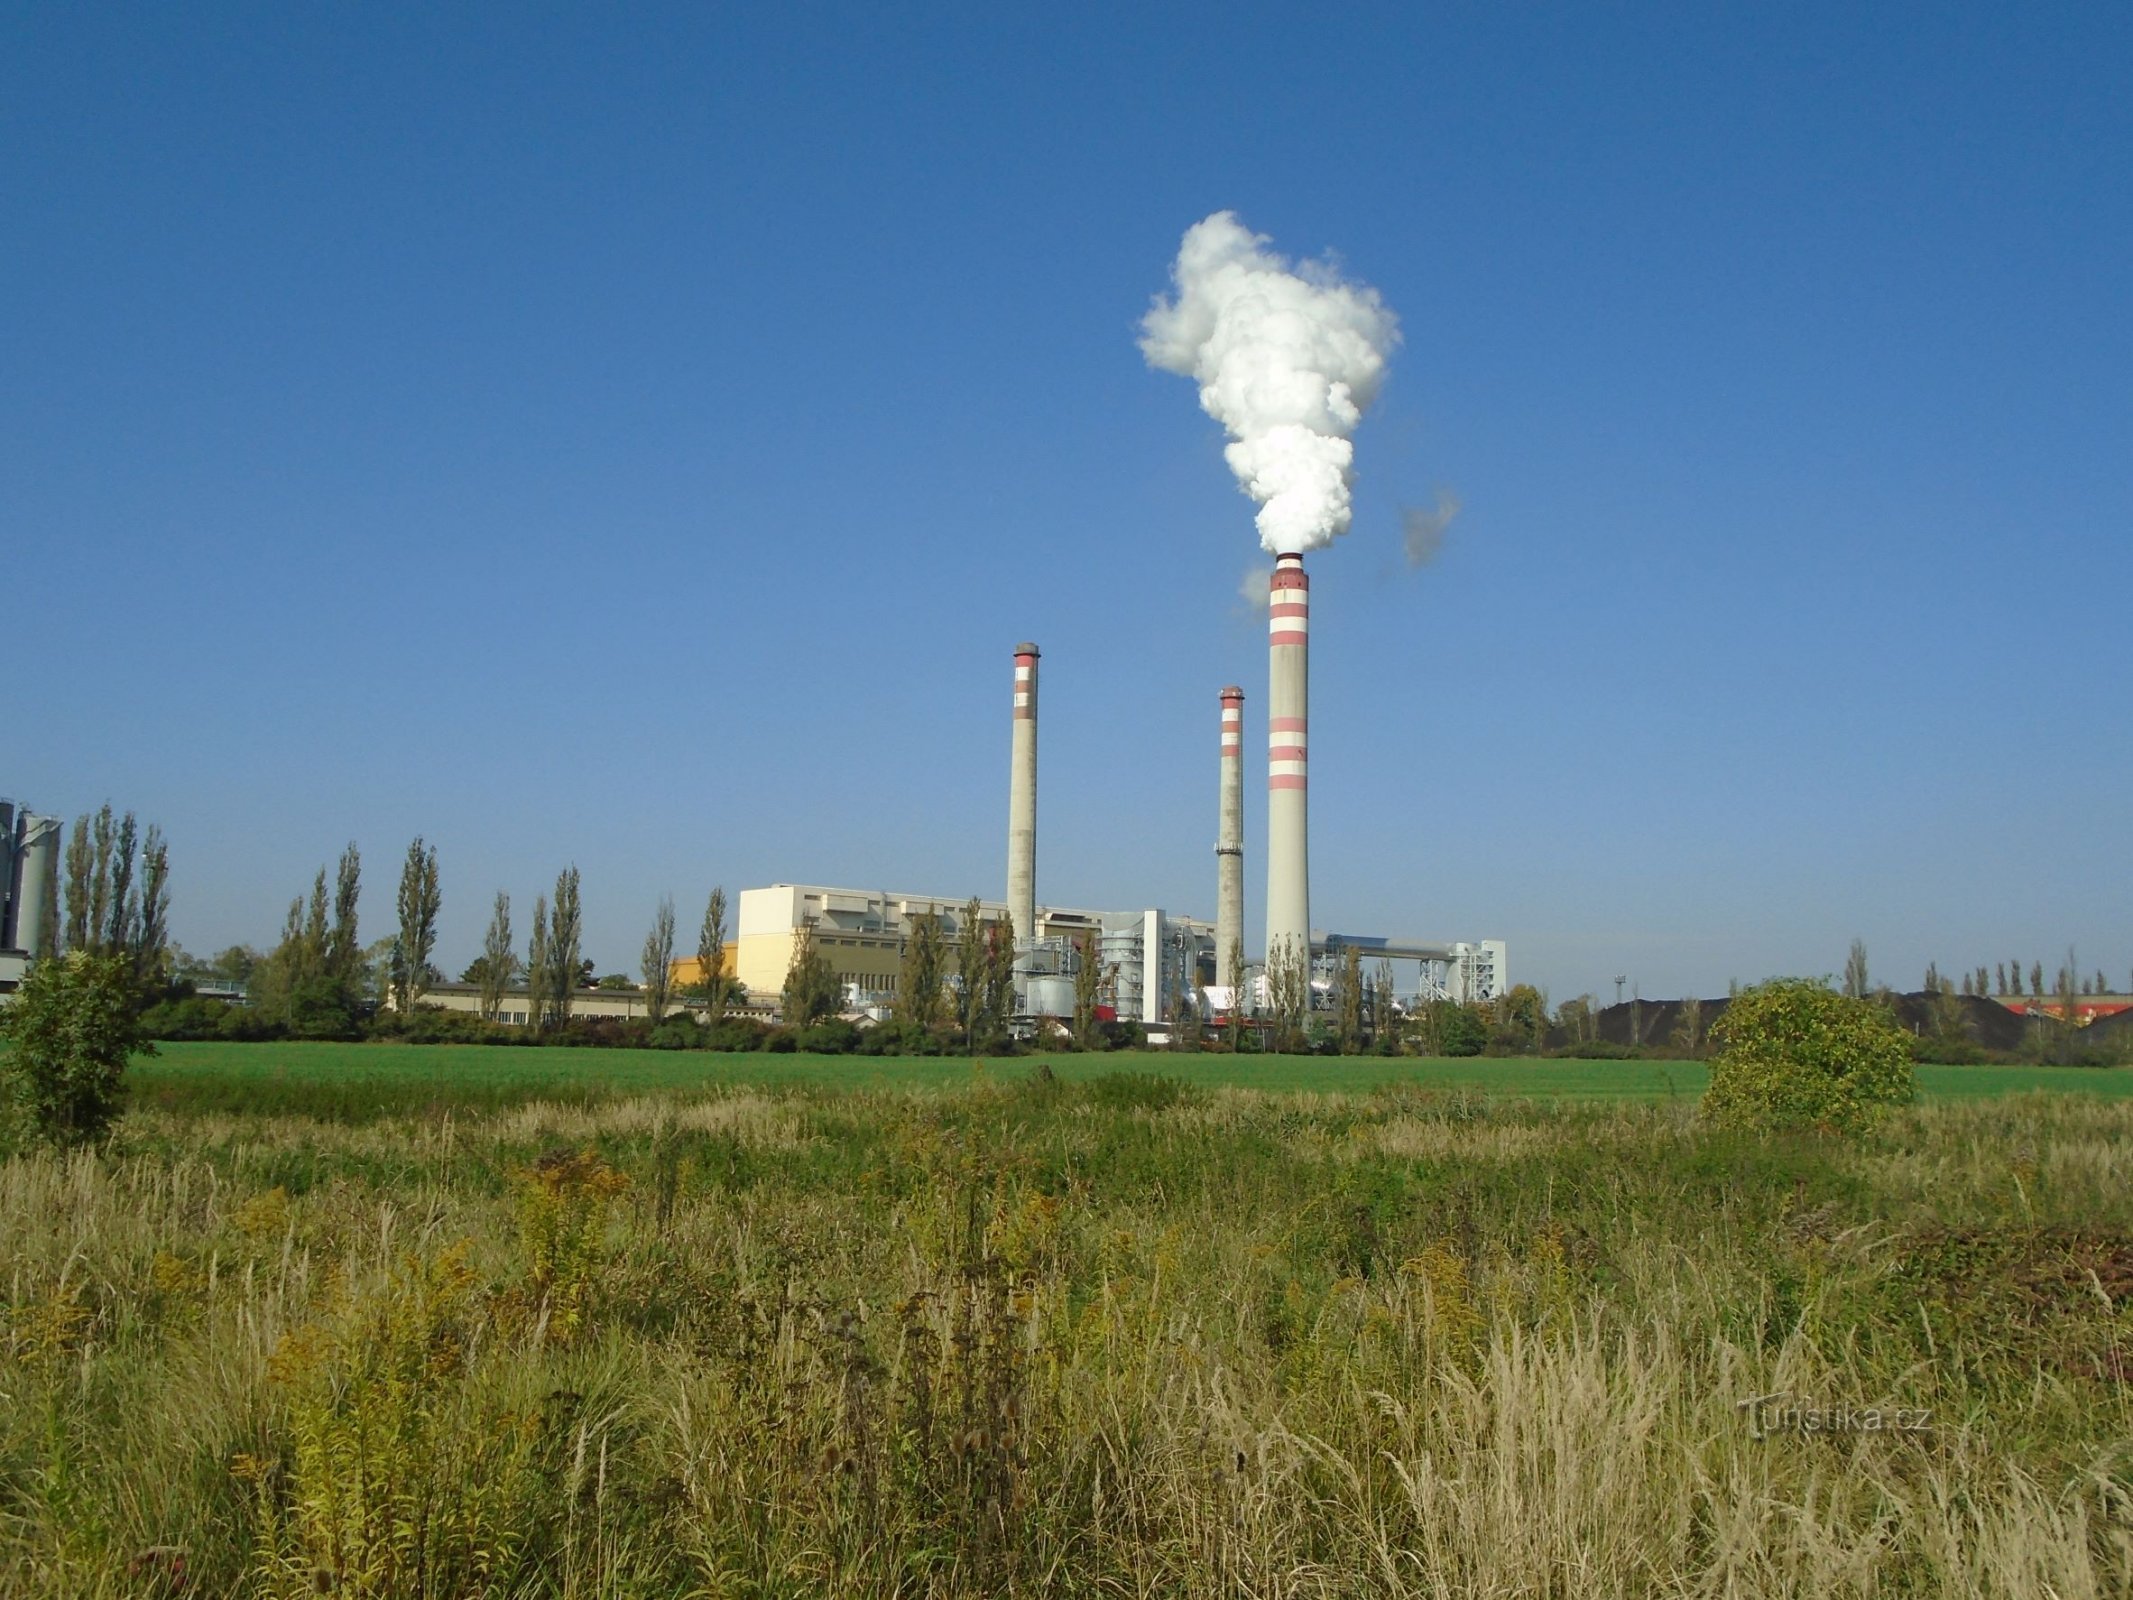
point(1084, 1335)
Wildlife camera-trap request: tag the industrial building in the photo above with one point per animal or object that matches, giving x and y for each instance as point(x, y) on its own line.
point(29, 890)
point(1154, 955)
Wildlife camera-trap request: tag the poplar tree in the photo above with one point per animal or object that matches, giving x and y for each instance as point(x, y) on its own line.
point(999, 976)
point(970, 967)
point(711, 957)
point(1855, 982)
point(539, 971)
point(918, 983)
point(499, 961)
point(418, 906)
point(659, 961)
point(1384, 1022)
point(563, 931)
point(344, 950)
point(1351, 1010)
point(122, 909)
point(1288, 979)
point(1088, 981)
point(99, 876)
point(75, 936)
point(1233, 975)
point(151, 923)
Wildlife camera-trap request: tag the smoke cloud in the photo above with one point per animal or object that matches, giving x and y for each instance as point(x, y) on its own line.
point(1422, 527)
point(1287, 360)
point(1257, 587)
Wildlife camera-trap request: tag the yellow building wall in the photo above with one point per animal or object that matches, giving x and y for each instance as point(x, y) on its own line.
point(688, 971)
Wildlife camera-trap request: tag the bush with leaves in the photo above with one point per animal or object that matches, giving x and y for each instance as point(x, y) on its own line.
point(70, 1030)
point(1793, 1053)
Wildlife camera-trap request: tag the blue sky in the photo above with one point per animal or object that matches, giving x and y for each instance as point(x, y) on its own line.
point(637, 436)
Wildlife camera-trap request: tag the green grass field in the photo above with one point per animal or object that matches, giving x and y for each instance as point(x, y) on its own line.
point(359, 1081)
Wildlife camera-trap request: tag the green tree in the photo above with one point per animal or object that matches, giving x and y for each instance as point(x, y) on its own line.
point(970, 967)
point(1239, 1004)
point(1350, 1009)
point(1288, 982)
point(298, 984)
point(498, 962)
point(659, 961)
point(419, 903)
point(1086, 988)
point(567, 967)
point(344, 946)
point(918, 981)
point(711, 957)
point(79, 870)
point(234, 965)
point(2036, 980)
point(1855, 980)
point(540, 969)
point(118, 895)
point(1384, 1011)
point(996, 1002)
point(1999, 975)
point(70, 1031)
point(811, 989)
point(1792, 1054)
point(122, 908)
point(1519, 1018)
point(150, 926)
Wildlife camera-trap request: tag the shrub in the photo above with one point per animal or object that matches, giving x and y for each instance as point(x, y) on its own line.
point(678, 1032)
point(740, 1033)
point(186, 1017)
point(72, 1026)
point(836, 1037)
point(434, 1025)
point(1793, 1053)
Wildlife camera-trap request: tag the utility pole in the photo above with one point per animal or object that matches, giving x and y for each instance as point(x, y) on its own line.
point(1620, 979)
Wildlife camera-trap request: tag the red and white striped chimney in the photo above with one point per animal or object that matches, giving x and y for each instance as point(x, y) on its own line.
point(1229, 842)
point(1022, 801)
point(1288, 855)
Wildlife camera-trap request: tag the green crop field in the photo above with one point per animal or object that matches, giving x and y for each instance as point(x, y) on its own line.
point(381, 1321)
point(359, 1081)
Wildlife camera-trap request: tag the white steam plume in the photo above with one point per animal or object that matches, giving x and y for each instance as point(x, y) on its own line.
point(1287, 360)
point(1257, 587)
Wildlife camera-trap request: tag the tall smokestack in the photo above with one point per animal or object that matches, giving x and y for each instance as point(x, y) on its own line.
point(1022, 803)
point(1229, 841)
point(1288, 702)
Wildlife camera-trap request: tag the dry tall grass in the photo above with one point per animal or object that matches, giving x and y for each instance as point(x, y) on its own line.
point(1105, 1339)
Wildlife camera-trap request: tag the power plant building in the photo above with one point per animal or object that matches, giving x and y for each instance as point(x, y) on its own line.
point(1150, 955)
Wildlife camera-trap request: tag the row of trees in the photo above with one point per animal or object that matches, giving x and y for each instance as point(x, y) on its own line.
point(2002, 978)
point(316, 980)
point(117, 897)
